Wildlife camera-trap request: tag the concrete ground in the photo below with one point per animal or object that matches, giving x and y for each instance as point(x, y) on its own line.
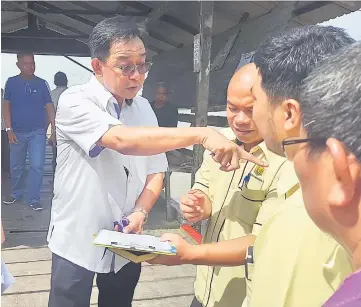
point(29, 260)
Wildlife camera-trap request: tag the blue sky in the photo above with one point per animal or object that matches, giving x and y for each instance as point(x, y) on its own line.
point(47, 66)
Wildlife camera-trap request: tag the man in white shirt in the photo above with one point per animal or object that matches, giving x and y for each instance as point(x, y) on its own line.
point(61, 83)
point(97, 181)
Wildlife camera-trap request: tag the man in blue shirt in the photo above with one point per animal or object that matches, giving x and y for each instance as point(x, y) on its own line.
point(27, 109)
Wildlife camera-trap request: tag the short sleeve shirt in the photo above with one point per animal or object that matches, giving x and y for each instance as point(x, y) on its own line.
point(303, 264)
point(92, 188)
point(28, 99)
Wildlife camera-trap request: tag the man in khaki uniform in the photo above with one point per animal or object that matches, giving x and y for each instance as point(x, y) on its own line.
point(236, 203)
point(295, 263)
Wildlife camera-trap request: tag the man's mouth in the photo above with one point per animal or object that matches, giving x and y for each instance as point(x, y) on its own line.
point(244, 131)
point(133, 88)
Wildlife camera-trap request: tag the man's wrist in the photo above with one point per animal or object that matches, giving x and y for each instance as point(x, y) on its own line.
point(203, 135)
point(143, 211)
point(8, 129)
point(194, 254)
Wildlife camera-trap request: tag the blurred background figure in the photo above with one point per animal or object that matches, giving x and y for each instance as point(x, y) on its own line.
point(61, 83)
point(167, 114)
point(5, 151)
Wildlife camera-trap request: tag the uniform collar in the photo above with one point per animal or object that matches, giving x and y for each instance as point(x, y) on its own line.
point(288, 178)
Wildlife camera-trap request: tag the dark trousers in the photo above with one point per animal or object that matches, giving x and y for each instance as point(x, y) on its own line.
point(5, 152)
point(71, 285)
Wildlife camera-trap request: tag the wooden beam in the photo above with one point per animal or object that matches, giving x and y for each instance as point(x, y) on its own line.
point(206, 24)
point(156, 13)
point(77, 63)
point(153, 34)
point(32, 19)
point(72, 16)
point(165, 18)
point(310, 7)
point(78, 12)
point(43, 37)
point(13, 21)
point(42, 16)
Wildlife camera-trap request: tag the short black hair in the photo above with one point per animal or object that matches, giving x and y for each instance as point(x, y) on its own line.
point(330, 100)
point(111, 30)
point(60, 79)
point(285, 60)
point(22, 54)
point(162, 84)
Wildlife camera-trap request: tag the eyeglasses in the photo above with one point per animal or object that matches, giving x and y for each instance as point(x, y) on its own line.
point(293, 141)
point(129, 70)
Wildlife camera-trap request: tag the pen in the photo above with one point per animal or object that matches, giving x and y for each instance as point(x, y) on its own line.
point(246, 179)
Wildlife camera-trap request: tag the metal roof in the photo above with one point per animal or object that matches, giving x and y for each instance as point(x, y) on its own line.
point(63, 27)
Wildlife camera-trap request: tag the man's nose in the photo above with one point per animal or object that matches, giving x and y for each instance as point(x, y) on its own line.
point(242, 118)
point(135, 75)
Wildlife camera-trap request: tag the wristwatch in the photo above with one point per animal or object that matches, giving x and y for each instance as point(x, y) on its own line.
point(8, 129)
point(144, 212)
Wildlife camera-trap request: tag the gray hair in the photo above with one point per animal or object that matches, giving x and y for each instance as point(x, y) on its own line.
point(330, 100)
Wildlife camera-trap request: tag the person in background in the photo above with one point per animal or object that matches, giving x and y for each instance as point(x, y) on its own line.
point(167, 114)
point(237, 204)
point(327, 158)
point(27, 110)
point(5, 151)
point(61, 83)
point(293, 263)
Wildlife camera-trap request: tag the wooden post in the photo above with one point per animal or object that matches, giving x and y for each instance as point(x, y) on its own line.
point(202, 65)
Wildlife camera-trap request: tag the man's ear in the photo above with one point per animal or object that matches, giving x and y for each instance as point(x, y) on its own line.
point(97, 66)
point(292, 114)
point(347, 172)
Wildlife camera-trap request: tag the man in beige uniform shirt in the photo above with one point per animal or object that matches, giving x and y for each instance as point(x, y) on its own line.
point(237, 204)
point(295, 263)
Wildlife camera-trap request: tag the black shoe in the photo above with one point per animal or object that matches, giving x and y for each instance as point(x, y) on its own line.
point(36, 206)
point(10, 200)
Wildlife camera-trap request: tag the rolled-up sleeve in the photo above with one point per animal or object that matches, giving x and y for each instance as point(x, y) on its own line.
point(82, 121)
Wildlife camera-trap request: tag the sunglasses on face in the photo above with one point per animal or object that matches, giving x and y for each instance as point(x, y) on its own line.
point(129, 70)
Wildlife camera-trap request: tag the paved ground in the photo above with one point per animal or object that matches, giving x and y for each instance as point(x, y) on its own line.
point(28, 258)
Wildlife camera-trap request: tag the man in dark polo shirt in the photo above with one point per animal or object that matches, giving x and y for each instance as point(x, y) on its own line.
point(167, 114)
point(27, 108)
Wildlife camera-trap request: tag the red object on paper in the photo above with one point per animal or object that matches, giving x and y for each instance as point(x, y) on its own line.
point(194, 234)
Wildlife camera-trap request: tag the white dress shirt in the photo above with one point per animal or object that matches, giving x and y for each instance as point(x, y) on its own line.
point(91, 187)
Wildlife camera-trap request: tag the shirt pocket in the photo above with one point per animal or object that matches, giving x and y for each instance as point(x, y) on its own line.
point(245, 205)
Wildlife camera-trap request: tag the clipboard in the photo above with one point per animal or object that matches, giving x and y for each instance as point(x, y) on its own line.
point(136, 248)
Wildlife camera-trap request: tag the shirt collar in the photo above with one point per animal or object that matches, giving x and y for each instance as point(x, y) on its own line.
point(99, 91)
point(102, 94)
point(288, 178)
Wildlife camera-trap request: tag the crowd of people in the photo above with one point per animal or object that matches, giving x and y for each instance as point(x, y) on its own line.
point(281, 187)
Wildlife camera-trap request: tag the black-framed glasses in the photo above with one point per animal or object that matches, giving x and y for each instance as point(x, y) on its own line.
point(129, 70)
point(294, 141)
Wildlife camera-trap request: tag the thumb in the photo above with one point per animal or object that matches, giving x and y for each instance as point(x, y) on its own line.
point(128, 229)
point(167, 237)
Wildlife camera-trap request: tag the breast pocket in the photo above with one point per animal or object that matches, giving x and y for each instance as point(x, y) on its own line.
point(245, 206)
